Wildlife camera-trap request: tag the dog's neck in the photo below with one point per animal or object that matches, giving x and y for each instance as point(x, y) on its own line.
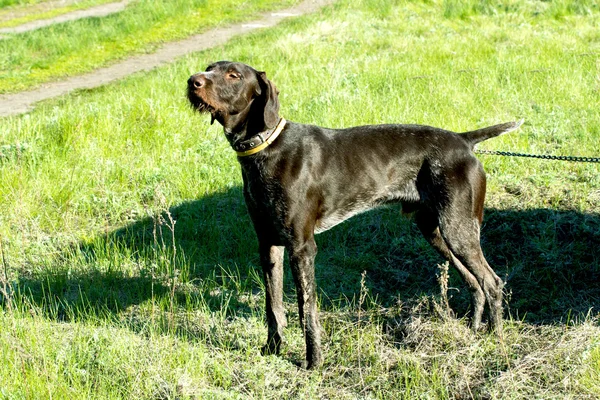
point(243, 128)
point(260, 141)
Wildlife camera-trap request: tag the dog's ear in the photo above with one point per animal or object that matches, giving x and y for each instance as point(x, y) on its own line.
point(269, 92)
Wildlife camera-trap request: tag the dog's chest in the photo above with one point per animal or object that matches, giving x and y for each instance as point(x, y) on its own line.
point(261, 190)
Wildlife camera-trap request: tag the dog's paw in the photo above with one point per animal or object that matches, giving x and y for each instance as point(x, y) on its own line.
point(307, 365)
point(302, 364)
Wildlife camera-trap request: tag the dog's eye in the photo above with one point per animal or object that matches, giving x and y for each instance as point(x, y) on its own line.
point(233, 75)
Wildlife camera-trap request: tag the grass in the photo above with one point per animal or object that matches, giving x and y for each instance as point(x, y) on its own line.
point(15, 12)
point(130, 266)
point(7, 3)
point(80, 46)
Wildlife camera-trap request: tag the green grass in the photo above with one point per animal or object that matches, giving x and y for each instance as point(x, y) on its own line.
point(6, 3)
point(22, 12)
point(131, 263)
point(80, 46)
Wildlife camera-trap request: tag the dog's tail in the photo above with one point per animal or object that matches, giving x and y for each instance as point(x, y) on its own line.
point(474, 137)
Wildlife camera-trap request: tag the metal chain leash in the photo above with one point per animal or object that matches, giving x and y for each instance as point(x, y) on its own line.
point(541, 156)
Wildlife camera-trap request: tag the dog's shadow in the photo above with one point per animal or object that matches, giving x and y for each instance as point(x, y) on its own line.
point(550, 260)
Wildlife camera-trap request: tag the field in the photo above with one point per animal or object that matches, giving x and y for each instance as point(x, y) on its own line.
point(17, 12)
point(129, 266)
point(63, 50)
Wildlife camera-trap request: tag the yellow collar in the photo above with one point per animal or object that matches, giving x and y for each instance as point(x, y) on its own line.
point(258, 143)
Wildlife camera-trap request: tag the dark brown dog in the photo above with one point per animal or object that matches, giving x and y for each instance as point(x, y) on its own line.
point(302, 179)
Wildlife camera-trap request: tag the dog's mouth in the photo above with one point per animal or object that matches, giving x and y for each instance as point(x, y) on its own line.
point(201, 105)
point(198, 103)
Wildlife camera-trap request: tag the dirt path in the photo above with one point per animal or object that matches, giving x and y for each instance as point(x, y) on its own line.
point(96, 11)
point(18, 103)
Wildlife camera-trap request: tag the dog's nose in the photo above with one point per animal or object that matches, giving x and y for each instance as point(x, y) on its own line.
point(197, 81)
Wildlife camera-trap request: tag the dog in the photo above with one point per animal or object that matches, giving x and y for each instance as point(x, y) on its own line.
point(300, 180)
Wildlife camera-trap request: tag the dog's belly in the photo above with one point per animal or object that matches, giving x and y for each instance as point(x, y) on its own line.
point(331, 217)
point(338, 217)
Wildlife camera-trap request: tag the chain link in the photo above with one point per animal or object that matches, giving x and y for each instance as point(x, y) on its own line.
point(541, 156)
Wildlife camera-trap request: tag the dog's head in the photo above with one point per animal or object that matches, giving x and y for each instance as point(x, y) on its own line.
point(235, 94)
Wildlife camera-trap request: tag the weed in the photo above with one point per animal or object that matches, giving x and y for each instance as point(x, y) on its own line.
point(442, 278)
point(5, 288)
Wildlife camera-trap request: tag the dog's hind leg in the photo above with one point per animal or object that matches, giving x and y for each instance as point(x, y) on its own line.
point(459, 227)
point(302, 262)
point(465, 246)
point(271, 258)
point(427, 221)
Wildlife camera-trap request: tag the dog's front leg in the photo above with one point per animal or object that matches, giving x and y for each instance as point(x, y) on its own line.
point(271, 259)
point(302, 262)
